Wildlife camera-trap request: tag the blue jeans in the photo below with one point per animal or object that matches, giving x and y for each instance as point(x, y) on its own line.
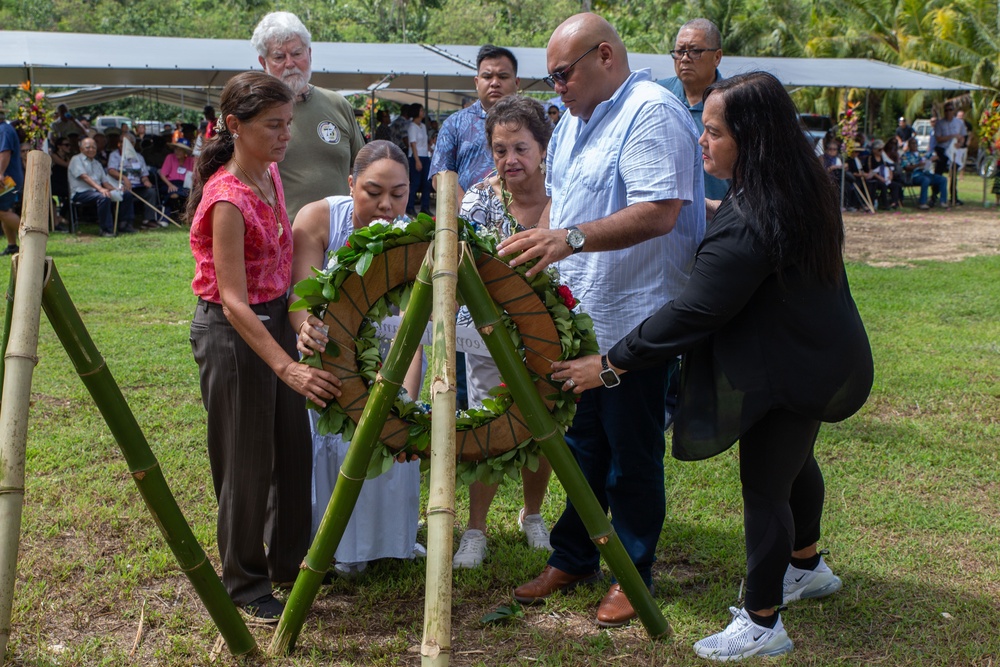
point(105, 208)
point(617, 440)
point(924, 179)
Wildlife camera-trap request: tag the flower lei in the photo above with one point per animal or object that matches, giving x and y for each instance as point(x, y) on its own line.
point(847, 128)
point(989, 128)
point(576, 338)
point(35, 115)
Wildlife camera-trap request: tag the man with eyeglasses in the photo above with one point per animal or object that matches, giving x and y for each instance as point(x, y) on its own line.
point(626, 179)
point(697, 54)
point(461, 141)
point(325, 135)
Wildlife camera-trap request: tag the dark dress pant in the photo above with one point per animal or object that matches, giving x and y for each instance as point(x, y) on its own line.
point(617, 439)
point(260, 449)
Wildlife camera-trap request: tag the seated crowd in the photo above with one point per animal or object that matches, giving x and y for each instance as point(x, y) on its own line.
point(875, 174)
point(146, 173)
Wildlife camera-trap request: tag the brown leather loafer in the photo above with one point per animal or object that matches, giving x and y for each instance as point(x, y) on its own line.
point(615, 609)
point(550, 581)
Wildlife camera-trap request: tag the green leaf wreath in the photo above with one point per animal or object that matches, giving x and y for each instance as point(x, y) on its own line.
point(576, 338)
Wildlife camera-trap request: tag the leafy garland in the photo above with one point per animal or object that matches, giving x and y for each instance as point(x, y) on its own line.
point(576, 338)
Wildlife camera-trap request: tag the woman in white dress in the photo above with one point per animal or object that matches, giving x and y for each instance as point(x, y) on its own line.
point(384, 522)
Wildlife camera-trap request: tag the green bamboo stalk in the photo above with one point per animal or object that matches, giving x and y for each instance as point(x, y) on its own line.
point(355, 466)
point(19, 366)
point(143, 465)
point(9, 311)
point(550, 437)
point(435, 649)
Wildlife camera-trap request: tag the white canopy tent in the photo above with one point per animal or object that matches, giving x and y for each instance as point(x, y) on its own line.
point(191, 71)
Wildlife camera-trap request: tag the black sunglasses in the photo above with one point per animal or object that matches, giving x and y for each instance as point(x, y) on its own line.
point(562, 75)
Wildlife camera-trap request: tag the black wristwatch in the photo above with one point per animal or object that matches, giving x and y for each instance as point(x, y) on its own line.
point(575, 238)
point(608, 375)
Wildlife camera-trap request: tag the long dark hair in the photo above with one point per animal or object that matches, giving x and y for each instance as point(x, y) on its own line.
point(779, 185)
point(245, 96)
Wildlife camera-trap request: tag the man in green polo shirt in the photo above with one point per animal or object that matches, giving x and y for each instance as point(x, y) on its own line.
point(325, 135)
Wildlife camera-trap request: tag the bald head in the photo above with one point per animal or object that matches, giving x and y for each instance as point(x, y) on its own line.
point(588, 60)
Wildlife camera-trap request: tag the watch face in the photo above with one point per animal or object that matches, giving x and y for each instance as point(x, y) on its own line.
point(575, 239)
point(610, 378)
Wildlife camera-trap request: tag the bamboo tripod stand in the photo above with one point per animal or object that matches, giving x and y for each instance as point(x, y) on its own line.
point(42, 288)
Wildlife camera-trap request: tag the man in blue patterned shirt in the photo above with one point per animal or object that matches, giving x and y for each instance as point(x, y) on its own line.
point(626, 179)
point(461, 142)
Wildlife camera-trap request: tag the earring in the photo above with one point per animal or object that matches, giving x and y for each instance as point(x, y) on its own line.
point(236, 135)
point(541, 167)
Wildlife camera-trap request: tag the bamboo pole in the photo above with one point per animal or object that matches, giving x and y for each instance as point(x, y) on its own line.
point(549, 436)
point(19, 366)
point(355, 466)
point(142, 463)
point(8, 311)
point(435, 649)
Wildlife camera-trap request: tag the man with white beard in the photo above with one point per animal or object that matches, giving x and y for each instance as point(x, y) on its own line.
point(325, 136)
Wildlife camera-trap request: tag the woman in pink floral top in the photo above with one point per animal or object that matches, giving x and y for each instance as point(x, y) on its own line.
point(258, 433)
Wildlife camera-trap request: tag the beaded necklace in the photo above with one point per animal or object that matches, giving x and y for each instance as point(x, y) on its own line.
point(274, 189)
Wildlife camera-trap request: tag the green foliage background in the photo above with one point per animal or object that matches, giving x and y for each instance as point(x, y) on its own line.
point(954, 38)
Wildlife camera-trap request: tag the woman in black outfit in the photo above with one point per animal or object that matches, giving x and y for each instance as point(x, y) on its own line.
point(773, 346)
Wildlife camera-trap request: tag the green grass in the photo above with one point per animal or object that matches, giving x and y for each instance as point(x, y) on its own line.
point(912, 515)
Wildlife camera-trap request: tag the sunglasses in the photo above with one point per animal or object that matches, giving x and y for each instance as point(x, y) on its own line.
point(561, 76)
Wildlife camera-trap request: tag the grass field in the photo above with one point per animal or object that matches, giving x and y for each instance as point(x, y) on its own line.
point(912, 516)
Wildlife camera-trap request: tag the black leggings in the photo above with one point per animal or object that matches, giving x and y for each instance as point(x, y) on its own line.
point(782, 500)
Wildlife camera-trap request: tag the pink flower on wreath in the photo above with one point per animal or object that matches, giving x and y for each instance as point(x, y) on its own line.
point(567, 296)
point(40, 95)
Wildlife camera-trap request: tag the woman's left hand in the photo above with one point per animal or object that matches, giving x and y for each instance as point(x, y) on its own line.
point(312, 337)
point(578, 375)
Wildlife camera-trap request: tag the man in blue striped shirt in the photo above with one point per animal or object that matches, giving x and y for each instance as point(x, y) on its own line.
point(625, 173)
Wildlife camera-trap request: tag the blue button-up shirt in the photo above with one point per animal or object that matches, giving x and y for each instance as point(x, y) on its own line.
point(639, 146)
point(715, 188)
point(461, 146)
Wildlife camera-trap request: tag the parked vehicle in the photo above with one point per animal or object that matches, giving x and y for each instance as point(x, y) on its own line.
point(815, 127)
point(922, 130)
point(152, 126)
point(105, 123)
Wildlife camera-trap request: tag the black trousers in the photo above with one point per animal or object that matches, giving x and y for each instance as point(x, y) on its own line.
point(260, 449)
point(783, 496)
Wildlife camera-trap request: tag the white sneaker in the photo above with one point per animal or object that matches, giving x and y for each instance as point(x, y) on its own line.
point(471, 550)
point(803, 584)
point(350, 570)
point(419, 551)
point(743, 638)
point(534, 529)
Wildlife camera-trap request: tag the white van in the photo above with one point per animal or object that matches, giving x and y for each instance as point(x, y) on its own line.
point(105, 123)
point(922, 130)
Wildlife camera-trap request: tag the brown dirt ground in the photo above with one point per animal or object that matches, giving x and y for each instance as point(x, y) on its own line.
point(890, 239)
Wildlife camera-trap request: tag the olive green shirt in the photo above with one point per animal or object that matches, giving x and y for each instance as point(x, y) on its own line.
point(325, 139)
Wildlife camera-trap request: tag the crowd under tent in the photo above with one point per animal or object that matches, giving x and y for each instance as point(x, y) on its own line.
point(192, 71)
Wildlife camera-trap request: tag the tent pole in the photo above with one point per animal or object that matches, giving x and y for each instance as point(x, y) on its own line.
point(427, 92)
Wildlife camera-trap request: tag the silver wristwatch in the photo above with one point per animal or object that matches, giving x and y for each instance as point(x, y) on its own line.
point(575, 238)
point(608, 375)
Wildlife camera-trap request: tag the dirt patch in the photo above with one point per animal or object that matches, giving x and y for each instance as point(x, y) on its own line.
point(893, 239)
